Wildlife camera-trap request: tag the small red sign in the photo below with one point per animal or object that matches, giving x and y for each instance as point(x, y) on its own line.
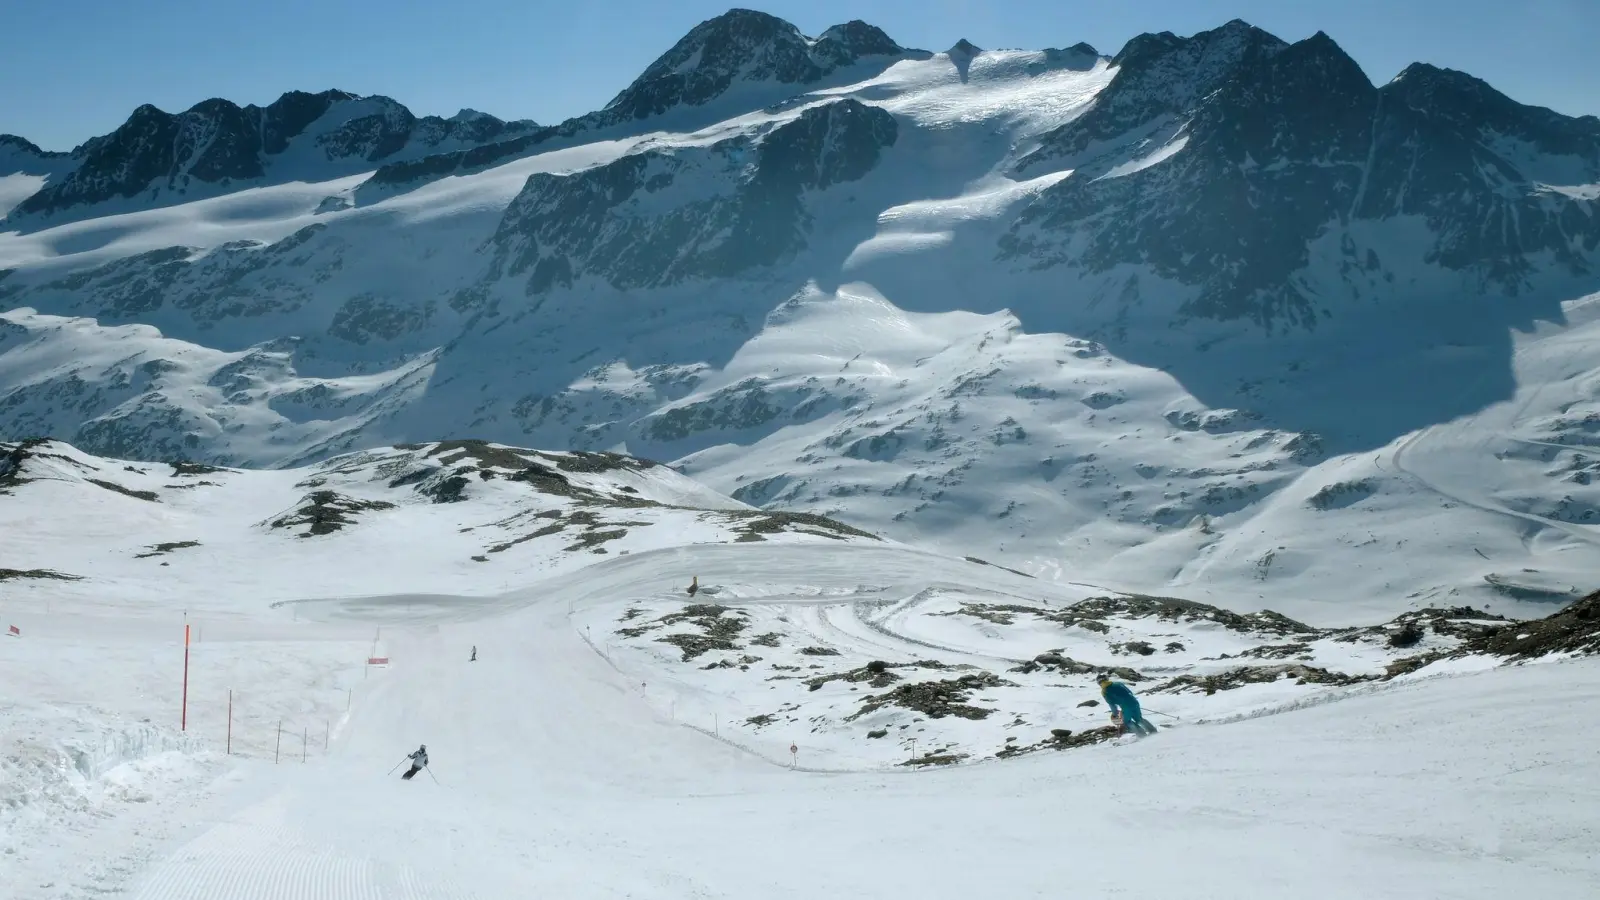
point(377, 660)
point(14, 630)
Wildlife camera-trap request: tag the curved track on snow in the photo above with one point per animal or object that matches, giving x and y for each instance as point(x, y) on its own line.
point(555, 777)
point(1545, 357)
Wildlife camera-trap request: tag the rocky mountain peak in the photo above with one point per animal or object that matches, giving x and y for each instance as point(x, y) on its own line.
point(1469, 106)
point(17, 143)
point(1319, 63)
point(1447, 92)
point(290, 115)
point(1198, 142)
point(18, 155)
point(744, 47)
point(855, 39)
point(217, 143)
point(1159, 75)
point(1219, 48)
point(740, 61)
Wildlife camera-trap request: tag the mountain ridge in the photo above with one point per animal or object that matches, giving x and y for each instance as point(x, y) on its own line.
point(218, 144)
point(1203, 321)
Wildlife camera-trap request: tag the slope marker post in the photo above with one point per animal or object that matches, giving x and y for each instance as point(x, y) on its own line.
point(183, 720)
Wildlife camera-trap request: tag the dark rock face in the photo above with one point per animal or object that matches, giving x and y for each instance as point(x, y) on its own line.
point(290, 115)
point(220, 143)
point(1486, 173)
point(742, 45)
point(1220, 161)
point(1574, 630)
point(662, 217)
point(740, 49)
point(232, 281)
point(438, 165)
point(846, 44)
point(1160, 76)
point(366, 317)
point(119, 164)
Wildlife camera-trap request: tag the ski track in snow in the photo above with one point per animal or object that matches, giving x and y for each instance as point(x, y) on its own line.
point(260, 855)
point(557, 775)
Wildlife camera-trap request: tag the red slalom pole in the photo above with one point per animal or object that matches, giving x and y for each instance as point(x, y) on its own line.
point(184, 722)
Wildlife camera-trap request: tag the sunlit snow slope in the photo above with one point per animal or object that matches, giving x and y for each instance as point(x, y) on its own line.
point(618, 735)
point(561, 767)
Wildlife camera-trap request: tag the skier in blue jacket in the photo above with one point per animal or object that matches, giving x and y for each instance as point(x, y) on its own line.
point(1122, 702)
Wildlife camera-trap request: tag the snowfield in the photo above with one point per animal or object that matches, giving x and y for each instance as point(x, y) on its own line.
point(618, 737)
point(1212, 364)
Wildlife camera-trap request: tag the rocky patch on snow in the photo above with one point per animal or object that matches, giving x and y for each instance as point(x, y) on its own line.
point(325, 512)
point(711, 627)
point(1571, 631)
point(968, 677)
point(755, 526)
point(936, 699)
point(1092, 614)
point(165, 548)
point(45, 574)
point(150, 496)
point(506, 513)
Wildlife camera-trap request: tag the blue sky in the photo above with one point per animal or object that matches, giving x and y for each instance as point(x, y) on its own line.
point(70, 69)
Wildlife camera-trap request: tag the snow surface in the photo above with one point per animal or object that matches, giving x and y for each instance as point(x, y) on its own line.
point(17, 187)
point(557, 771)
point(572, 759)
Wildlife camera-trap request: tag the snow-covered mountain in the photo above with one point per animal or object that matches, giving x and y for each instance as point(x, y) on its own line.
point(158, 158)
point(1215, 317)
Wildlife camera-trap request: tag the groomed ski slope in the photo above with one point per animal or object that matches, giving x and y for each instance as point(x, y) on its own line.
point(557, 778)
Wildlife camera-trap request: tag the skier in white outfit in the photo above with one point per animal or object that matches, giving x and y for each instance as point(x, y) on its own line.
point(419, 761)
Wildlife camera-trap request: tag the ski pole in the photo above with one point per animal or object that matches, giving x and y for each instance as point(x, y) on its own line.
point(431, 775)
point(1160, 713)
point(398, 765)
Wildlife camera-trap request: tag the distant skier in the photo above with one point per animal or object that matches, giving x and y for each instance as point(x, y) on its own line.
point(474, 653)
point(1124, 706)
point(419, 761)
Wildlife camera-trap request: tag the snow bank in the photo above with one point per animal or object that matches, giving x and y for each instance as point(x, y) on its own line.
point(59, 764)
